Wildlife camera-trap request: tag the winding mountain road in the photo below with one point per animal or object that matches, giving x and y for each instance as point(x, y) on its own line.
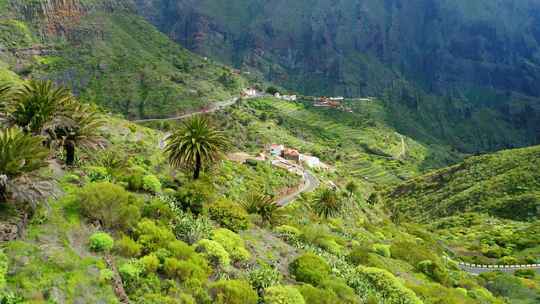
point(214, 108)
point(310, 183)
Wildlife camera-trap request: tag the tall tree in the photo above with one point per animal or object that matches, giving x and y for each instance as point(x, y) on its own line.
point(21, 158)
point(82, 130)
point(195, 145)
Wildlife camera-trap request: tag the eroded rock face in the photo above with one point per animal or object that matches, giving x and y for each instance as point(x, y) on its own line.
point(12, 228)
point(357, 47)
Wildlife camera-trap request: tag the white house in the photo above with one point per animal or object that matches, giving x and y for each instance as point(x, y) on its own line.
point(276, 150)
point(249, 92)
point(340, 98)
point(289, 97)
point(310, 161)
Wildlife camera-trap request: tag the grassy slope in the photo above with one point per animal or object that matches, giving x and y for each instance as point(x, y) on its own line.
point(485, 208)
point(504, 184)
point(118, 60)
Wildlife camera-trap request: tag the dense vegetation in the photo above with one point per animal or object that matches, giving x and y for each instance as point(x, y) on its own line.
point(97, 209)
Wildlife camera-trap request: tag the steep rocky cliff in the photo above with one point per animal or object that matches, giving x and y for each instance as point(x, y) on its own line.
point(108, 54)
point(357, 47)
point(449, 63)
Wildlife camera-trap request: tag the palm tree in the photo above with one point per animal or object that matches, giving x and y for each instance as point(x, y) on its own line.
point(21, 158)
point(327, 204)
point(37, 106)
point(81, 129)
point(263, 205)
point(195, 145)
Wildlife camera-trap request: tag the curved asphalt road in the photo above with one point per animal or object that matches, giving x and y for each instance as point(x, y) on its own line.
point(310, 183)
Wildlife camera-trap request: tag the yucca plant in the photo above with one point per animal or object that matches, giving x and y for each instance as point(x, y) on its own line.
point(21, 158)
point(37, 106)
point(263, 205)
point(196, 145)
point(327, 203)
point(81, 128)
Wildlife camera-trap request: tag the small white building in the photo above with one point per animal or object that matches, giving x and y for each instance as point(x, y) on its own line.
point(250, 92)
point(276, 150)
point(310, 161)
point(289, 97)
point(339, 98)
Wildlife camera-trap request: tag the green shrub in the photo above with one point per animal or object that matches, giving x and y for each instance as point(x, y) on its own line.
point(158, 208)
point(134, 178)
point(233, 243)
point(314, 295)
point(525, 273)
point(180, 250)
point(385, 285)
point(194, 269)
point(131, 272)
point(232, 292)
point(127, 247)
point(192, 229)
point(309, 268)
point(214, 252)
point(193, 196)
point(344, 293)
point(97, 174)
point(110, 204)
point(433, 270)
point(101, 241)
point(358, 256)
point(382, 250)
point(152, 236)
point(150, 263)
point(151, 184)
point(283, 295)
point(229, 215)
point(264, 277)
point(105, 276)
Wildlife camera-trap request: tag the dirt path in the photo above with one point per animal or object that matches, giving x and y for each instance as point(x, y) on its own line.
point(310, 183)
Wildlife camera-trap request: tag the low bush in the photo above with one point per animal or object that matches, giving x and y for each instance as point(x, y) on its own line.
point(134, 178)
point(525, 273)
point(283, 295)
point(101, 241)
point(158, 208)
point(385, 285)
point(151, 184)
point(232, 292)
point(152, 236)
point(131, 272)
point(229, 215)
point(233, 243)
point(193, 196)
point(97, 174)
point(344, 293)
point(150, 263)
point(180, 250)
point(309, 268)
point(193, 269)
point(382, 250)
point(433, 270)
point(110, 204)
point(214, 252)
point(3, 269)
point(314, 295)
point(358, 256)
point(127, 247)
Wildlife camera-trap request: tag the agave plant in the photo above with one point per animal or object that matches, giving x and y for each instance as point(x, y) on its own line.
point(79, 129)
point(21, 158)
point(327, 204)
point(196, 145)
point(5, 91)
point(37, 106)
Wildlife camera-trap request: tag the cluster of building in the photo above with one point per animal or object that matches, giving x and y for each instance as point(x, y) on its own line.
point(294, 155)
point(331, 102)
point(286, 97)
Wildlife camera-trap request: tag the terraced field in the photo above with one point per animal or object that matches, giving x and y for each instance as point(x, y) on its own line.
point(358, 145)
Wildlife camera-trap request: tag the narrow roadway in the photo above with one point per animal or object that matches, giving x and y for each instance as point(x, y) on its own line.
point(310, 183)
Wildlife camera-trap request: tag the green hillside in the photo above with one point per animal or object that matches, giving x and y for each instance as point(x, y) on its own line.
point(503, 184)
point(110, 56)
